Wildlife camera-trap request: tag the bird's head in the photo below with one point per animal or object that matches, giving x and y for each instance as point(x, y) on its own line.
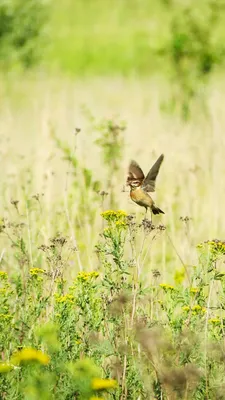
point(134, 183)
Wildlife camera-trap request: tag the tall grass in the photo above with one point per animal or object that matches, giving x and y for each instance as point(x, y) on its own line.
point(54, 182)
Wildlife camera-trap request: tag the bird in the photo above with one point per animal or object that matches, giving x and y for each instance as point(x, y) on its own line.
point(141, 185)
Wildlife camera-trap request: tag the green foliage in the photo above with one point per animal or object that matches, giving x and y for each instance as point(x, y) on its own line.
point(79, 315)
point(179, 40)
point(21, 26)
point(58, 338)
point(182, 41)
point(194, 49)
point(181, 28)
point(101, 39)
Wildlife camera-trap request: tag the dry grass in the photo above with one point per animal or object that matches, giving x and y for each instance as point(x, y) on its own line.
point(191, 182)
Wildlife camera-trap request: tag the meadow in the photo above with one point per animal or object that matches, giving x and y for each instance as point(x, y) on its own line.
point(91, 293)
point(97, 301)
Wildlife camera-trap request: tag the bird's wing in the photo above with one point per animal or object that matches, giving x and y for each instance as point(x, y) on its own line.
point(135, 173)
point(149, 182)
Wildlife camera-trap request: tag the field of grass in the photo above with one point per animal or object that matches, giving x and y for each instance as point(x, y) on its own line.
point(105, 305)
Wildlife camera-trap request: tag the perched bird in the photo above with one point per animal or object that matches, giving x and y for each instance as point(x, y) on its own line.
point(141, 185)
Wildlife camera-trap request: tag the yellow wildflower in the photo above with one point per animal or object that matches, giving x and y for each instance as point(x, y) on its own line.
point(197, 307)
point(95, 398)
point(194, 290)
point(29, 355)
point(36, 271)
point(103, 384)
point(84, 276)
point(166, 286)
point(5, 367)
point(215, 321)
point(121, 224)
point(113, 216)
point(3, 275)
point(179, 276)
point(67, 298)
point(216, 246)
point(94, 274)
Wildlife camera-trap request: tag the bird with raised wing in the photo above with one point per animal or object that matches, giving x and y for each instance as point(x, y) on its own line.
point(141, 185)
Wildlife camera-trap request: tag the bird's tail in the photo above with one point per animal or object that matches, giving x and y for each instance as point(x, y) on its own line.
point(157, 210)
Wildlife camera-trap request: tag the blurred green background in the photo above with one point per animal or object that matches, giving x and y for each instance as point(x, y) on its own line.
point(183, 41)
point(84, 37)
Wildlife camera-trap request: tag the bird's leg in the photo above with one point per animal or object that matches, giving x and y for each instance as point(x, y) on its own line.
point(151, 216)
point(146, 210)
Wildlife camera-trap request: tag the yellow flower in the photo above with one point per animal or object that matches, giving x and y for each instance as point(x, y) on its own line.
point(179, 276)
point(113, 216)
point(215, 321)
point(84, 276)
point(121, 224)
point(102, 384)
point(36, 271)
point(67, 298)
point(166, 286)
point(194, 290)
point(94, 274)
point(4, 367)
point(29, 355)
point(216, 246)
point(186, 308)
point(197, 307)
point(3, 275)
point(95, 398)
